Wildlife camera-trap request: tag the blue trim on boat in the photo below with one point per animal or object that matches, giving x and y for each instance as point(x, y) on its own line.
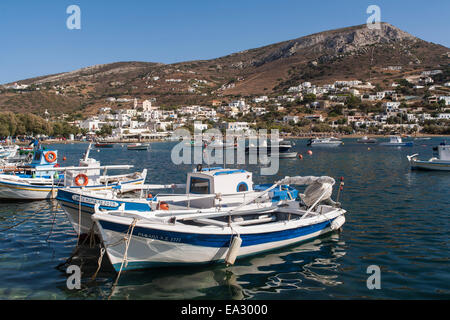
point(47, 186)
point(242, 184)
point(215, 240)
point(229, 172)
point(66, 196)
point(145, 264)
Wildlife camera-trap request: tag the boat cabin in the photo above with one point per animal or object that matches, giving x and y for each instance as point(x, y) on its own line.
point(42, 159)
point(219, 180)
point(212, 181)
point(228, 187)
point(395, 139)
point(74, 178)
point(444, 151)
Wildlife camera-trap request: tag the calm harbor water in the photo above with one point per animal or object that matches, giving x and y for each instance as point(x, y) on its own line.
point(397, 219)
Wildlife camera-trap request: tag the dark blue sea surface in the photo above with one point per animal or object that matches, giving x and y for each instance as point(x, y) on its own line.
point(397, 219)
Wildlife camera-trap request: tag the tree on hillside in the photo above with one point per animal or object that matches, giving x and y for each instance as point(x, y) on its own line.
point(352, 101)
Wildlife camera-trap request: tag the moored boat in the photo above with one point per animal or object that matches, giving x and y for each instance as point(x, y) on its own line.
point(366, 139)
point(326, 142)
point(104, 145)
point(205, 188)
point(440, 163)
point(138, 146)
point(135, 240)
point(42, 178)
point(396, 141)
point(282, 146)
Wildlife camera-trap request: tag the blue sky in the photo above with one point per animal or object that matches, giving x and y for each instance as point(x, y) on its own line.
point(35, 41)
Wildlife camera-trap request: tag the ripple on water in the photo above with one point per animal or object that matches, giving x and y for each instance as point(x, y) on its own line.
point(397, 219)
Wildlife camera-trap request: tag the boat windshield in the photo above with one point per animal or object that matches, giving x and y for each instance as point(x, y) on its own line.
point(199, 186)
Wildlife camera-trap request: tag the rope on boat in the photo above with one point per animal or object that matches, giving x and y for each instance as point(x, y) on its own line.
point(77, 249)
point(102, 252)
point(127, 239)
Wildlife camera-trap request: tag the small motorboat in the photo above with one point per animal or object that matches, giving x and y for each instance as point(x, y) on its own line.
point(270, 149)
point(138, 146)
point(212, 188)
point(366, 139)
point(104, 145)
point(325, 142)
point(441, 162)
point(396, 141)
point(183, 236)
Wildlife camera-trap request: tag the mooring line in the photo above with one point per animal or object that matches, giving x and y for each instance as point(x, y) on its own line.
point(128, 237)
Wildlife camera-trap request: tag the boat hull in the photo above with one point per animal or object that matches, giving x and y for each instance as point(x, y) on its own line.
point(430, 165)
point(155, 247)
point(80, 208)
point(23, 191)
point(403, 144)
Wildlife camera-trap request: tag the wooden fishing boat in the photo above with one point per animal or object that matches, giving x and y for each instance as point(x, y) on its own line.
point(43, 177)
point(136, 240)
point(205, 188)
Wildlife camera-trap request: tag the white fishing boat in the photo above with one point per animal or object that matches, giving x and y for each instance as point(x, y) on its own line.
point(42, 178)
point(440, 163)
point(396, 141)
point(136, 240)
point(205, 188)
point(326, 142)
point(367, 140)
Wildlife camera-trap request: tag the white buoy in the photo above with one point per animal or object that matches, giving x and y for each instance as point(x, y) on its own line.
point(233, 250)
point(337, 223)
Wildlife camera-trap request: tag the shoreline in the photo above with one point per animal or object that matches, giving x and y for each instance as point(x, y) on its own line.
point(324, 135)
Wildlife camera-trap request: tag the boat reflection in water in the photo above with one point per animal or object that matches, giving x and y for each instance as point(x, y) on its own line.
point(308, 267)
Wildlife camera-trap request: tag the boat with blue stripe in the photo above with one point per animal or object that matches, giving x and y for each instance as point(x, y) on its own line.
point(43, 177)
point(180, 236)
point(204, 188)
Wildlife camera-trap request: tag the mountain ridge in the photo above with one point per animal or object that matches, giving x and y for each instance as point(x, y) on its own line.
point(350, 52)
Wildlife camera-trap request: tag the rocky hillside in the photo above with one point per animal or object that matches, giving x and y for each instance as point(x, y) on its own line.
point(349, 53)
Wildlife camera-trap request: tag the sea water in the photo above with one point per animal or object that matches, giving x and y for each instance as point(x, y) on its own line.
point(397, 220)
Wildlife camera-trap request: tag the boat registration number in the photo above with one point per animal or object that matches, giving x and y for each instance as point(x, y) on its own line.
point(104, 203)
point(158, 237)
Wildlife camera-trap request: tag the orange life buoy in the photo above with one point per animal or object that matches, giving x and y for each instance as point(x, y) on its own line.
point(163, 206)
point(50, 157)
point(85, 180)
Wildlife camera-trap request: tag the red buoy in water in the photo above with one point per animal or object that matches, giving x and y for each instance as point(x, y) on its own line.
point(64, 158)
point(300, 157)
point(310, 152)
